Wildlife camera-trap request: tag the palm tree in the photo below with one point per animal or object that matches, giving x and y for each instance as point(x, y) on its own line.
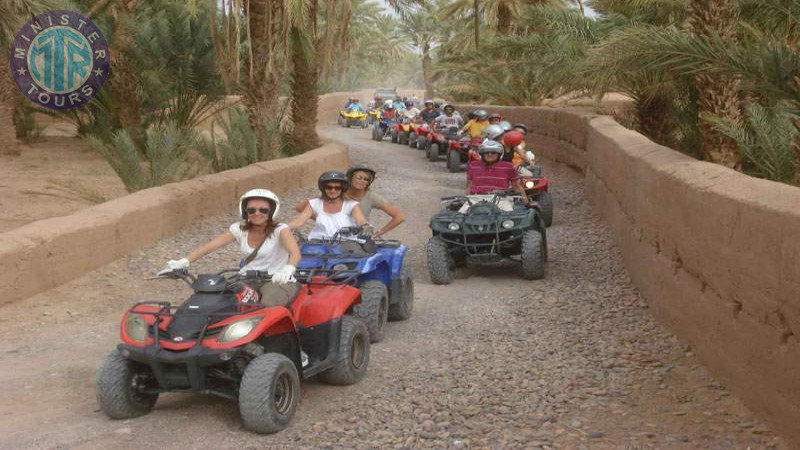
point(718, 93)
point(303, 79)
point(421, 26)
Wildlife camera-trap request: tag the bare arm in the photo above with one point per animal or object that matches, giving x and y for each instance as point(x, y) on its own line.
point(520, 191)
point(219, 241)
point(301, 218)
point(358, 216)
point(299, 208)
point(397, 218)
point(290, 244)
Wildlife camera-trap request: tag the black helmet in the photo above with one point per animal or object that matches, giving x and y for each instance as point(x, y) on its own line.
point(360, 168)
point(332, 175)
point(480, 114)
point(448, 105)
point(521, 126)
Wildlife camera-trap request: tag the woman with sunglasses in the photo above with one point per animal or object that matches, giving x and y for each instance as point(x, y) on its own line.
point(361, 178)
point(265, 245)
point(330, 210)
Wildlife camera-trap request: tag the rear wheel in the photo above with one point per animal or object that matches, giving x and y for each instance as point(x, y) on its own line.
point(545, 201)
point(454, 161)
point(393, 136)
point(533, 255)
point(402, 139)
point(269, 393)
point(373, 309)
point(375, 133)
point(412, 140)
point(402, 298)
point(363, 123)
point(439, 266)
point(120, 385)
point(353, 357)
point(433, 152)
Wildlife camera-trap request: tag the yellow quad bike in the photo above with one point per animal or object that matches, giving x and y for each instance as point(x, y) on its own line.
point(353, 117)
point(374, 115)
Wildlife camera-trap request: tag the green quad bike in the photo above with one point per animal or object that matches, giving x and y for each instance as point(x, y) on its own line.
point(481, 229)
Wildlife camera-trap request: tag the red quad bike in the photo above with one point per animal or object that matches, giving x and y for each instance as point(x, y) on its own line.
point(460, 151)
point(223, 341)
point(400, 131)
point(536, 186)
point(418, 136)
point(438, 141)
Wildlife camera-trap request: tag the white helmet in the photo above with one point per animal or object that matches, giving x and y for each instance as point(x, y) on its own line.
point(260, 193)
point(492, 132)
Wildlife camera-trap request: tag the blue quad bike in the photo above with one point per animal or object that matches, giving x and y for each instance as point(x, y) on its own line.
point(382, 128)
point(387, 288)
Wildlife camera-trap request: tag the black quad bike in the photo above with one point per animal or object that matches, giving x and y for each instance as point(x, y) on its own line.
point(480, 229)
point(223, 340)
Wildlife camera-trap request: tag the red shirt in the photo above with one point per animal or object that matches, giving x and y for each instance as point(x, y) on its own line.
point(484, 179)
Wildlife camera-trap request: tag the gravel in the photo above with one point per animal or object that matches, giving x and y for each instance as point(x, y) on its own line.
point(491, 361)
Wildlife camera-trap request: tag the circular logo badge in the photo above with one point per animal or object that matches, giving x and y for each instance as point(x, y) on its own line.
point(60, 59)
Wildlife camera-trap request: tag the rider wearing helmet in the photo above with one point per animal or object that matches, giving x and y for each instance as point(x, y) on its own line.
point(476, 125)
point(356, 104)
point(264, 245)
point(495, 118)
point(429, 113)
point(399, 103)
point(450, 118)
point(490, 174)
point(389, 111)
point(331, 209)
point(411, 111)
point(361, 178)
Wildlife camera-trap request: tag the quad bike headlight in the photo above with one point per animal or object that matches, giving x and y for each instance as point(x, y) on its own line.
point(453, 226)
point(507, 224)
point(238, 330)
point(529, 184)
point(136, 327)
point(341, 266)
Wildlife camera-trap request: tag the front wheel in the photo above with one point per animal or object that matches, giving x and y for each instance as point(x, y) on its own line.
point(412, 140)
point(374, 308)
point(393, 136)
point(269, 393)
point(353, 357)
point(545, 201)
point(433, 152)
point(402, 298)
point(120, 387)
point(439, 266)
point(363, 123)
point(453, 161)
point(533, 255)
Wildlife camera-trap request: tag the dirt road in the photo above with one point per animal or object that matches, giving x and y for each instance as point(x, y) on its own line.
point(571, 361)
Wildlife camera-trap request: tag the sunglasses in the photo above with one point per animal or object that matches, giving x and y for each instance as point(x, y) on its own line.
point(253, 210)
point(362, 178)
point(333, 187)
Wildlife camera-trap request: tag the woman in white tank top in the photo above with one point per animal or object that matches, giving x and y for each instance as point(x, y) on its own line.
point(331, 210)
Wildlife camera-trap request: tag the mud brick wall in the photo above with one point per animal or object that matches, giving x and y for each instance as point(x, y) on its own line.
point(716, 254)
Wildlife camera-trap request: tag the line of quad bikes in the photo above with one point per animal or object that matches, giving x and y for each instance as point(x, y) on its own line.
point(223, 340)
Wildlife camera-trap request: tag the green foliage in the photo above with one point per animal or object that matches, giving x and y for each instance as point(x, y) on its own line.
point(167, 158)
point(765, 139)
point(238, 147)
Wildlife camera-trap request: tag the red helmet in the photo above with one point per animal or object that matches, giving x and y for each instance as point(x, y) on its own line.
point(513, 138)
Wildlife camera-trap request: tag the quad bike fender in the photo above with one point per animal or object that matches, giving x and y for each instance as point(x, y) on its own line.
point(395, 257)
point(379, 269)
point(318, 304)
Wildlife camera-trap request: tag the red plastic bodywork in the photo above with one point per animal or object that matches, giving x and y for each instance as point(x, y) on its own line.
point(541, 185)
point(314, 306)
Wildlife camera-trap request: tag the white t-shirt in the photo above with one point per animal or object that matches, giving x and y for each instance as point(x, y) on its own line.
point(271, 257)
point(328, 224)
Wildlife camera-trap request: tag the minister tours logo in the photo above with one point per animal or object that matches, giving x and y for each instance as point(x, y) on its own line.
point(60, 59)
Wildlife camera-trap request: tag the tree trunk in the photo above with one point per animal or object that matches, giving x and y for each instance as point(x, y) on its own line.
point(303, 86)
point(476, 10)
point(718, 94)
point(504, 18)
point(221, 59)
point(261, 95)
point(426, 69)
point(654, 115)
